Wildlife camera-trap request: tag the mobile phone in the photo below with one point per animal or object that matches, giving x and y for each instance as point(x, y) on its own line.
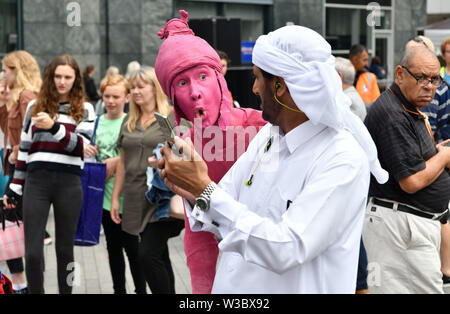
point(166, 127)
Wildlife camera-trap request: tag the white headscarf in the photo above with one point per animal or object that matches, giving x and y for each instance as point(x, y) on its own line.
point(303, 59)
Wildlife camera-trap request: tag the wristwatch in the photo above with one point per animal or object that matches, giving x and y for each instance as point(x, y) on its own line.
point(203, 201)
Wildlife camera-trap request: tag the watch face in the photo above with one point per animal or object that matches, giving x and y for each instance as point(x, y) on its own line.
point(201, 203)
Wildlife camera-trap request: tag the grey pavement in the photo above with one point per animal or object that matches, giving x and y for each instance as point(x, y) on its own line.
point(94, 275)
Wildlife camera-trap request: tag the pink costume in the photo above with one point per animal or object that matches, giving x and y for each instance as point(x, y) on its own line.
point(182, 51)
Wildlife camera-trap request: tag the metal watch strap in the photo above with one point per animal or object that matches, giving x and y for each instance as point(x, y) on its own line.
point(203, 200)
point(209, 190)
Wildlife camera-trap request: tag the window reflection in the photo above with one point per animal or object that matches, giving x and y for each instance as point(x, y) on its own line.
point(8, 26)
point(345, 27)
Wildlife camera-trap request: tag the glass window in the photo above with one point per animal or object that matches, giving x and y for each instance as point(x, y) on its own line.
point(385, 21)
point(346, 27)
point(8, 26)
point(251, 16)
point(252, 19)
point(196, 10)
point(361, 2)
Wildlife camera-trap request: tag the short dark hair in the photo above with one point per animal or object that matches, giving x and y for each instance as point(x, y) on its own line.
point(223, 56)
point(89, 68)
point(376, 61)
point(356, 50)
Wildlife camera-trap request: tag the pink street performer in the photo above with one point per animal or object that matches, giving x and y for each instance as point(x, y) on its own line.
point(190, 73)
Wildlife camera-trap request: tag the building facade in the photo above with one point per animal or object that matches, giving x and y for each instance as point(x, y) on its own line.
point(438, 10)
point(115, 32)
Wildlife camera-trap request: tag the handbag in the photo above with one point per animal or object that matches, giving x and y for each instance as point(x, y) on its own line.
point(93, 184)
point(3, 179)
point(6, 286)
point(12, 239)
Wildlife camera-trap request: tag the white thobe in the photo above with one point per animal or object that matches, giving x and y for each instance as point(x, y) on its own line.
point(297, 228)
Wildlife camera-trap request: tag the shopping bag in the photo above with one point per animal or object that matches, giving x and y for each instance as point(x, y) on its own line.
point(93, 183)
point(6, 286)
point(12, 239)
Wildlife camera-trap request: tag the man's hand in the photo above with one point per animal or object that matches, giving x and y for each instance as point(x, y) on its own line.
point(442, 148)
point(179, 191)
point(43, 121)
point(188, 172)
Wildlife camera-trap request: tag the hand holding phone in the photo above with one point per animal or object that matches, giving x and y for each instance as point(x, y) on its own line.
point(166, 127)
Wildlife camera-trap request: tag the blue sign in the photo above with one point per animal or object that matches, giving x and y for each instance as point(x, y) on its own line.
point(247, 51)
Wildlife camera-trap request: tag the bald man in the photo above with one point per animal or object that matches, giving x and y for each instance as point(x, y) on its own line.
point(403, 218)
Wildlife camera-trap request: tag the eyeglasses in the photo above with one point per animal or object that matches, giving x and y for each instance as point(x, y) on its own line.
point(423, 81)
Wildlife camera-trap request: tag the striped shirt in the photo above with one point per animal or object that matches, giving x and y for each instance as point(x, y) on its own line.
point(60, 148)
point(404, 146)
point(438, 113)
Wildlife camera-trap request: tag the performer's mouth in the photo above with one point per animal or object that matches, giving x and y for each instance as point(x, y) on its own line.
point(200, 114)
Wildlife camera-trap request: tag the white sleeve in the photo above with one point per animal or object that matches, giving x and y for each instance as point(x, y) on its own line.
point(86, 127)
point(332, 201)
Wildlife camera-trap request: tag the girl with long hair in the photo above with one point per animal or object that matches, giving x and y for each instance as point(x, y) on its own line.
point(140, 135)
point(23, 78)
point(57, 127)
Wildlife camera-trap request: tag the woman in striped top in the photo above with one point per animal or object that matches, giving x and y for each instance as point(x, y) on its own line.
point(57, 127)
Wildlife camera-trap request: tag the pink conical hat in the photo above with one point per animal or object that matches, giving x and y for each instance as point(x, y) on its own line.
point(181, 51)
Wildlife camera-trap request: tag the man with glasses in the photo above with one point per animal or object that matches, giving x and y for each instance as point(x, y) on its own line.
point(403, 219)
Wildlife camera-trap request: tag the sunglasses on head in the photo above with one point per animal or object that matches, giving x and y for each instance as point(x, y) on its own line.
point(419, 39)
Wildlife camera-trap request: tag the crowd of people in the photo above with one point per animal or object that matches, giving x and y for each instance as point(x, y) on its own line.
point(330, 176)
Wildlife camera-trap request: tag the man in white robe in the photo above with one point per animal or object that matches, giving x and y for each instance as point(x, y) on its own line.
point(290, 211)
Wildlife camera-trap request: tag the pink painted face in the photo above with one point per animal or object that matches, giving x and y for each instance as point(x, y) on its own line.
point(198, 94)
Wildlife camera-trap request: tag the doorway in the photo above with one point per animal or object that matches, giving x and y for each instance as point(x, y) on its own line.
point(384, 49)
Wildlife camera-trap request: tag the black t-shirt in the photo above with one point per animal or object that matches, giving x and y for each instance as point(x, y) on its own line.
point(404, 146)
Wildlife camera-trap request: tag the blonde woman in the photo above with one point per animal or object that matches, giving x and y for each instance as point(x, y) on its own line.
point(139, 136)
point(4, 95)
point(116, 93)
point(21, 73)
point(132, 67)
point(111, 71)
point(22, 76)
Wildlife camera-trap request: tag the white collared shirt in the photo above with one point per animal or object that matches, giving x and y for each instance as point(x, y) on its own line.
point(297, 228)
